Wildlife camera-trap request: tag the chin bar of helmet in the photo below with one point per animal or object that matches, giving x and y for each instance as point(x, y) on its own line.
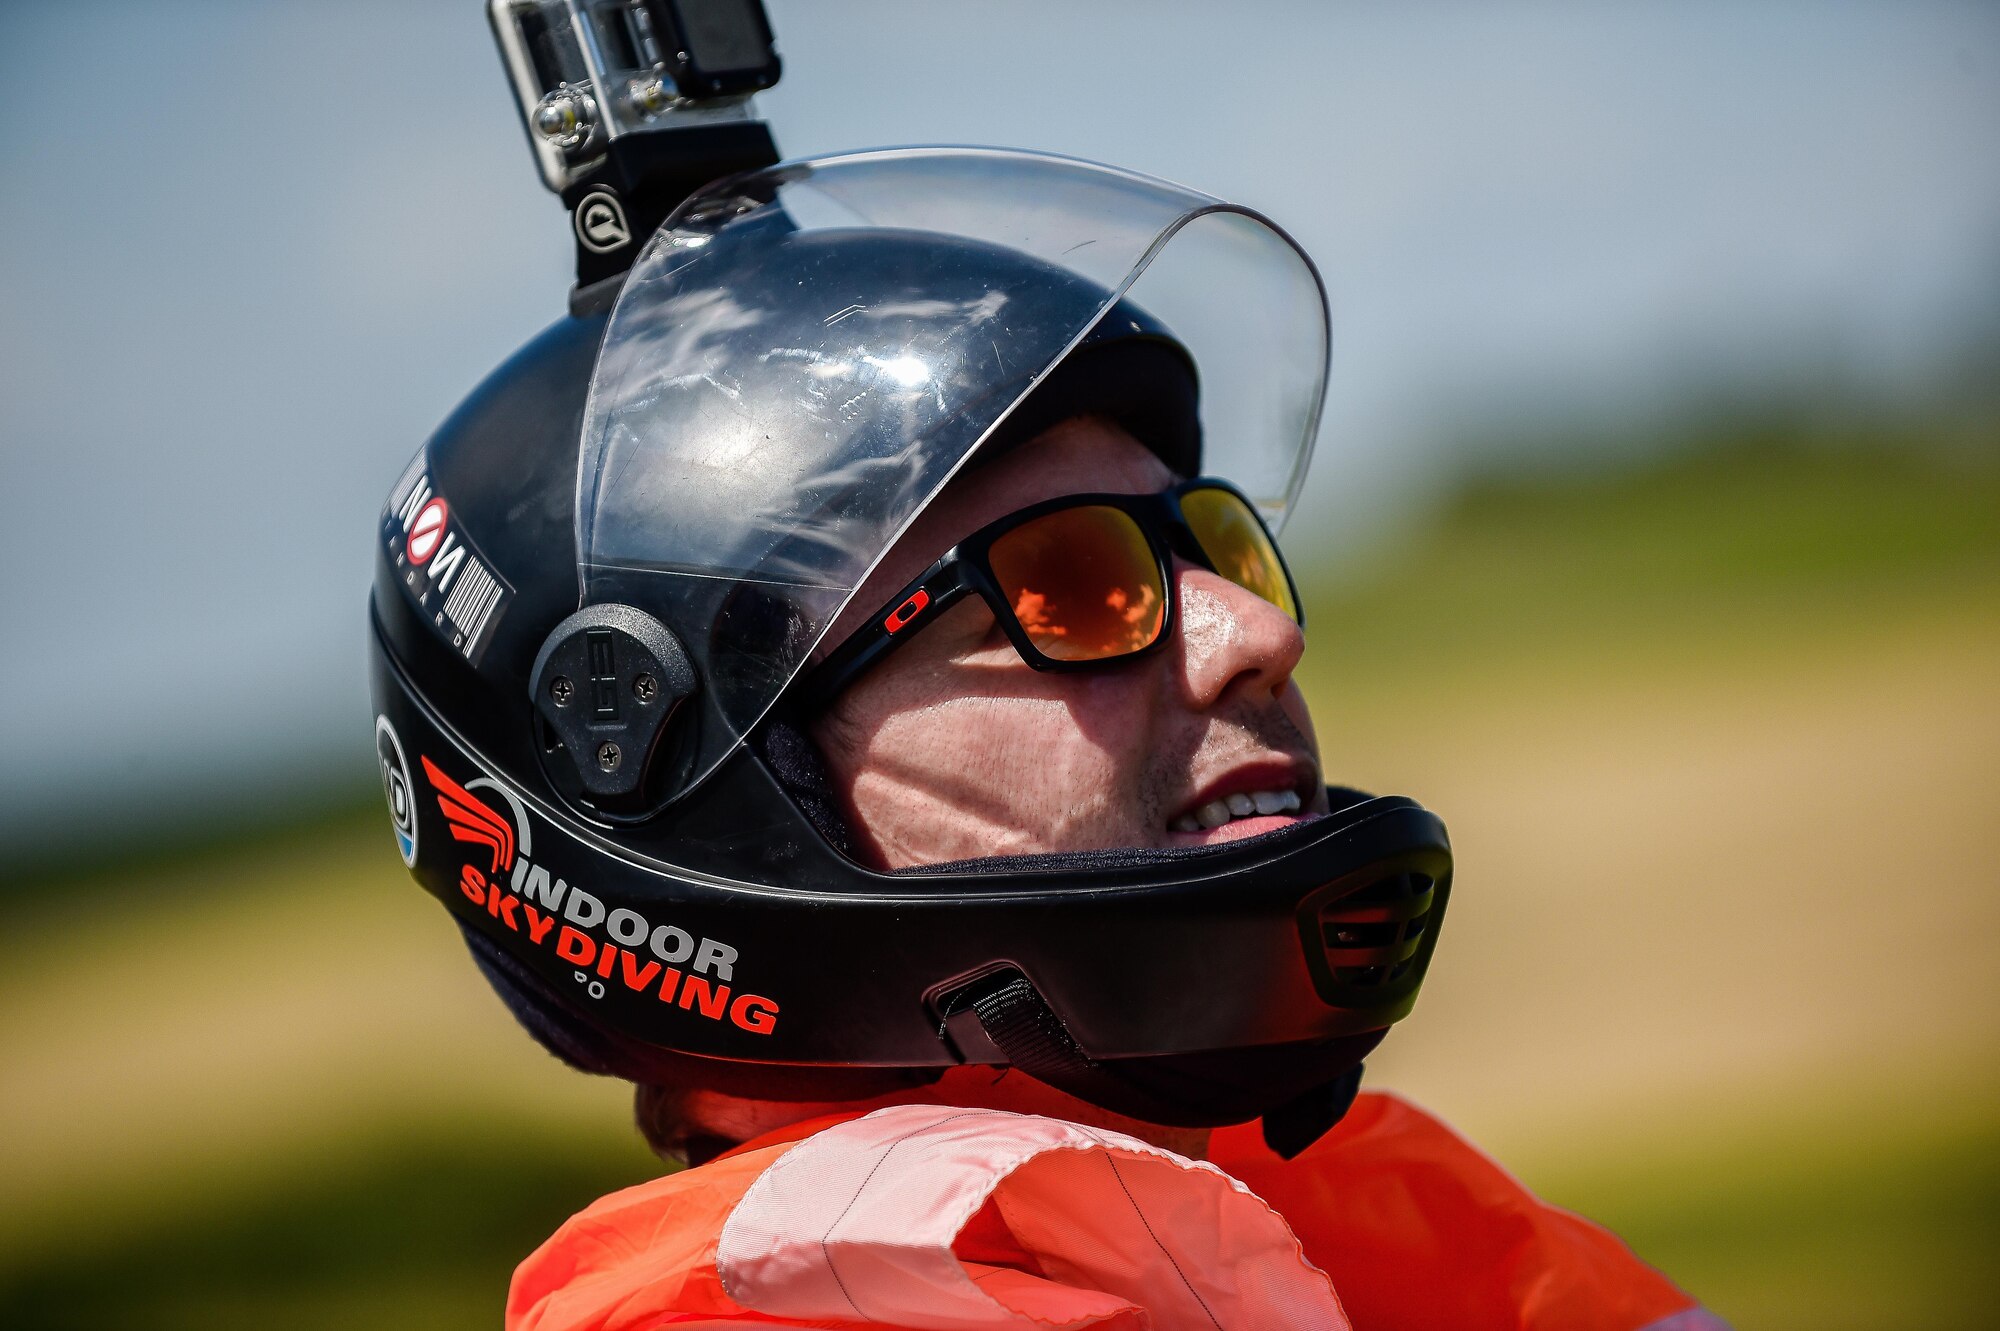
point(630, 106)
point(1202, 985)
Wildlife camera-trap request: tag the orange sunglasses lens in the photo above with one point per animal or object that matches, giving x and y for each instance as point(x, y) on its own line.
point(1083, 583)
point(1236, 544)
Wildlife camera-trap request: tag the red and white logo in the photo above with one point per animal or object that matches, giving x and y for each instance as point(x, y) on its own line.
point(474, 821)
point(607, 945)
point(427, 531)
point(459, 594)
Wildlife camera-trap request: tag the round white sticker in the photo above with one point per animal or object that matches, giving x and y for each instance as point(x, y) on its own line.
point(396, 788)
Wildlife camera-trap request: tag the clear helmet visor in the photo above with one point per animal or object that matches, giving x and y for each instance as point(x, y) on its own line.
point(802, 357)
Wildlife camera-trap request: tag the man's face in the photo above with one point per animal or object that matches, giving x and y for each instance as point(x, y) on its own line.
point(954, 747)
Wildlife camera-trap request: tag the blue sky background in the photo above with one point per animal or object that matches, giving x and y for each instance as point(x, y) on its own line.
point(256, 252)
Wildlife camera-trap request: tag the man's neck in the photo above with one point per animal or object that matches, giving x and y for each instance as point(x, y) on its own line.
point(739, 1120)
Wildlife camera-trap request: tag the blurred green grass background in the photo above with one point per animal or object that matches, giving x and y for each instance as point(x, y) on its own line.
point(1717, 731)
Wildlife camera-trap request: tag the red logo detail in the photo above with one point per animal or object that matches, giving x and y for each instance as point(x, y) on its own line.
point(471, 819)
point(427, 531)
point(907, 611)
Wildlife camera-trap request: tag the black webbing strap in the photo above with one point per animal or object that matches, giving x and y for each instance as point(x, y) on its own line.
point(1017, 1019)
point(1020, 1022)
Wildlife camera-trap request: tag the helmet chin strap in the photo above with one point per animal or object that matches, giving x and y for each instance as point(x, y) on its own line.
point(1191, 1091)
point(1017, 1019)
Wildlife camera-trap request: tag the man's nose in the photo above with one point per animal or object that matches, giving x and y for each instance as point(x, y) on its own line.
point(1229, 639)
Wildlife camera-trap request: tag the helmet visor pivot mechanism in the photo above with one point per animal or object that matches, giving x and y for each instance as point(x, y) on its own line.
point(653, 517)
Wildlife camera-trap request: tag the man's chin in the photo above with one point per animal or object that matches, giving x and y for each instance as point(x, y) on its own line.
point(1239, 829)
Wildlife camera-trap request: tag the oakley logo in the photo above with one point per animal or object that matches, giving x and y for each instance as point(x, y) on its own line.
point(907, 611)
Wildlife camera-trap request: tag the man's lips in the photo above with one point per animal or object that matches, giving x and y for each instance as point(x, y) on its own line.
point(1238, 829)
point(1249, 799)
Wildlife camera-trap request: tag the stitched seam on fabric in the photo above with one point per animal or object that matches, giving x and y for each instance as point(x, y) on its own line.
point(1003, 1169)
point(767, 1182)
point(825, 1248)
point(1172, 1261)
point(1238, 1186)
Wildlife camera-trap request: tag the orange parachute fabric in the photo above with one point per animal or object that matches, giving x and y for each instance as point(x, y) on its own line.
point(923, 1216)
point(1420, 1229)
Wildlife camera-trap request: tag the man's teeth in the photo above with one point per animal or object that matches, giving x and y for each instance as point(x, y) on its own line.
point(1246, 804)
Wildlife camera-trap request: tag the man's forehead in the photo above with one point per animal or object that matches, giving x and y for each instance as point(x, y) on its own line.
point(1082, 455)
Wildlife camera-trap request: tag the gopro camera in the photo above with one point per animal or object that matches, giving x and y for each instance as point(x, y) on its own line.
point(632, 105)
point(588, 72)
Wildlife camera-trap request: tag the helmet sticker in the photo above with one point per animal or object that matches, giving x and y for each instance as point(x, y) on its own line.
point(600, 222)
point(427, 532)
point(603, 946)
point(441, 572)
point(396, 789)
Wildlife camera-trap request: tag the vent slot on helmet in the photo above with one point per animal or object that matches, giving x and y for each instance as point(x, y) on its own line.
point(1369, 947)
point(1372, 937)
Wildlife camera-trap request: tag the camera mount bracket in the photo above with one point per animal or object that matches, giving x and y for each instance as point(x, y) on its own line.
point(632, 105)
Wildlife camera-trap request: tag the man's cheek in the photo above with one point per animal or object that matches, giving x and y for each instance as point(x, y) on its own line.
point(1292, 700)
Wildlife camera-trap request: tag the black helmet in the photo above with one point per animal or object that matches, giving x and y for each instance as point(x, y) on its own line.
point(598, 582)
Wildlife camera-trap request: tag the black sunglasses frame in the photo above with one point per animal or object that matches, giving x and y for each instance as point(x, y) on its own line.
point(963, 570)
